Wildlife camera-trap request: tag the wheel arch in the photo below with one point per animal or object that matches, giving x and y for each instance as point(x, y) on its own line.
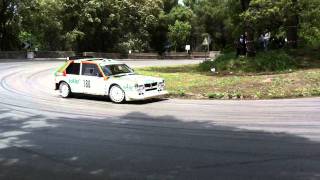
point(111, 85)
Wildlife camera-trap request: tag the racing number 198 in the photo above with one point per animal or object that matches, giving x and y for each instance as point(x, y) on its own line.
point(86, 83)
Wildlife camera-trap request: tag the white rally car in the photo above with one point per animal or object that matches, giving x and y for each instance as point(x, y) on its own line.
point(108, 78)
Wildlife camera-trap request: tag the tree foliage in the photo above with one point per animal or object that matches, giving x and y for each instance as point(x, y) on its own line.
point(179, 33)
point(310, 23)
point(150, 25)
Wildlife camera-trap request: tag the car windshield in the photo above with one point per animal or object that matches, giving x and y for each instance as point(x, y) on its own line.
point(116, 69)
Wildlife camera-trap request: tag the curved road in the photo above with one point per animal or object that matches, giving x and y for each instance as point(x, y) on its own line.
point(43, 136)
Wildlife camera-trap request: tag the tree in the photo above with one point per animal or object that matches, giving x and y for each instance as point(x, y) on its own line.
point(147, 25)
point(111, 25)
point(168, 5)
point(159, 35)
point(179, 34)
point(217, 18)
point(291, 15)
point(249, 30)
point(309, 20)
point(41, 18)
point(9, 24)
point(139, 25)
point(180, 13)
point(292, 19)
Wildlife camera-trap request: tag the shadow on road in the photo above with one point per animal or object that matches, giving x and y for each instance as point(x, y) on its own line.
point(138, 146)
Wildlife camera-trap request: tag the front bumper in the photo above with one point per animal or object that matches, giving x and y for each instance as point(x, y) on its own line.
point(146, 95)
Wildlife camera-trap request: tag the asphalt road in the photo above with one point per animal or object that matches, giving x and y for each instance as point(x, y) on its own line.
point(45, 137)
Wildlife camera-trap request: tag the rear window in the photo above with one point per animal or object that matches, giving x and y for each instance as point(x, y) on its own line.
point(73, 68)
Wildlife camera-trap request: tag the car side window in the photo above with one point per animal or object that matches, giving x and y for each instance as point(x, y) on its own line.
point(73, 68)
point(90, 70)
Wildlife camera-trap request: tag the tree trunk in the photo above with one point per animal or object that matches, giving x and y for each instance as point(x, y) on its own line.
point(223, 37)
point(292, 26)
point(251, 51)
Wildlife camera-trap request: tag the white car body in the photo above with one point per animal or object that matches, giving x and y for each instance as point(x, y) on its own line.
point(135, 87)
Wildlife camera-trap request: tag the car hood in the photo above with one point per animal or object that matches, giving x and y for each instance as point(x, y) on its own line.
point(140, 79)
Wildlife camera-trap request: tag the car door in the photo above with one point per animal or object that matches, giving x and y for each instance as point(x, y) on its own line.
point(73, 77)
point(92, 79)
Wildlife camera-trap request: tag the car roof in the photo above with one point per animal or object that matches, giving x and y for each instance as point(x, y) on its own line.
point(100, 61)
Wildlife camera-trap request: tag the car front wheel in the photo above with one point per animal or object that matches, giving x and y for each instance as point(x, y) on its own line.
point(64, 90)
point(116, 94)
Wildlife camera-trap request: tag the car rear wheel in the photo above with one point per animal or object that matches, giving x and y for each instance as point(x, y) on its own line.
point(64, 90)
point(116, 94)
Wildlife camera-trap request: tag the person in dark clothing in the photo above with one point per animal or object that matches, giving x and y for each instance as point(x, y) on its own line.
point(241, 46)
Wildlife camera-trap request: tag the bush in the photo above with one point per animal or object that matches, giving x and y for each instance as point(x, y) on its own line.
point(264, 62)
point(274, 61)
point(215, 95)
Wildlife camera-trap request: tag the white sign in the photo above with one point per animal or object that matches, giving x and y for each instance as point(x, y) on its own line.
point(188, 47)
point(205, 42)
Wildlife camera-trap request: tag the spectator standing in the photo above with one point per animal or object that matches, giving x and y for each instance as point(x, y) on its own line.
point(267, 37)
point(241, 46)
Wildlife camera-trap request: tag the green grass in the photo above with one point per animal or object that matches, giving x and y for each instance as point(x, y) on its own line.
point(275, 74)
point(188, 82)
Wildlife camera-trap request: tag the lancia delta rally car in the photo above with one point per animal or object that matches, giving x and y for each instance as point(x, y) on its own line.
point(108, 78)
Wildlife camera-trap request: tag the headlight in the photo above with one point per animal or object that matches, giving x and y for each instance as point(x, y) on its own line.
point(139, 88)
point(161, 85)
